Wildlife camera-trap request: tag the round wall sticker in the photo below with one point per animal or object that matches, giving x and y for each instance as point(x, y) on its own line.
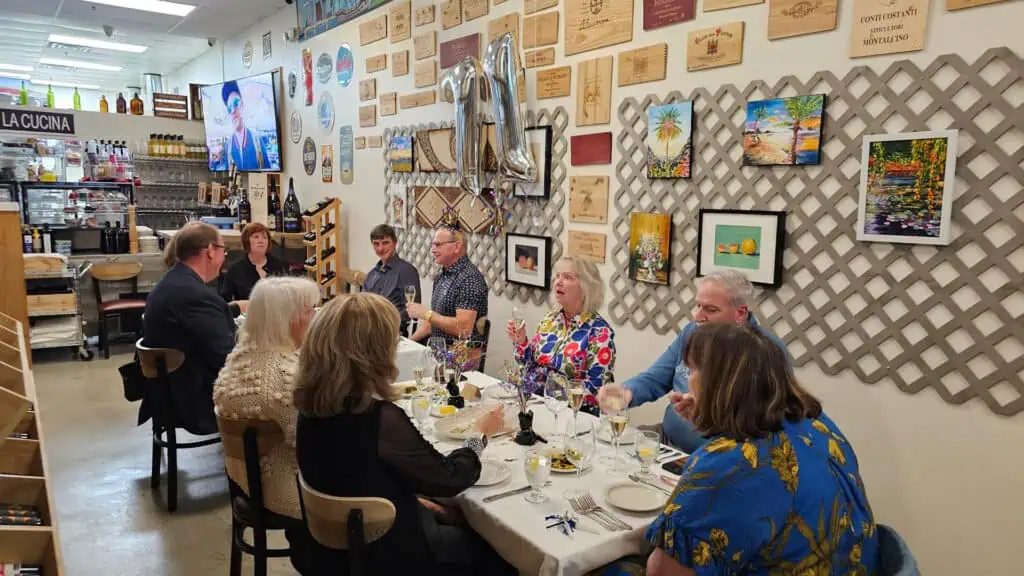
point(293, 84)
point(247, 54)
point(345, 64)
point(295, 127)
point(323, 68)
point(309, 156)
point(325, 111)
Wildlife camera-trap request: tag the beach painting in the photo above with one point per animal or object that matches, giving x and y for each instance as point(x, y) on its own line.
point(669, 140)
point(401, 153)
point(784, 131)
point(906, 187)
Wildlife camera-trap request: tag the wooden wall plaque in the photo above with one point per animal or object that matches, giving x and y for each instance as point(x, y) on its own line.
point(451, 14)
point(360, 142)
point(554, 82)
point(401, 21)
point(594, 91)
point(368, 116)
point(714, 47)
point(425, 45)
point(373, 30)
point(591, 149)
point(453, 51)
point(367, 89)
point(377, 63)
point(961, 4)
point(531, 6)
point(425, 74)
point(389, 104)
point(417, 99)
point(712, 5)
point(375, 141)
point(499, 26)
point(903, 23)
point(648, 64)
point(540, 30)
point(473, 9)
point(588, 199)
point(589, 245)
point(400, 63)
point(424, 15)
point(659, 13)
point(797, 17)
point(538, 58)
point(590, 25)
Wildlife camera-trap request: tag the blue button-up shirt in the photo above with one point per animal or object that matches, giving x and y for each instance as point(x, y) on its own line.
point(389, 280)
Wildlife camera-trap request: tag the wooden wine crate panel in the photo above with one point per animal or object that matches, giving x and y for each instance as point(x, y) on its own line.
point(425, 45)
point(170, 106)
point(531, 6)
point(451, 14)
point(538, 58)
point(400, 63)
point(401, 21)
point(51, 304)
point(591, 25)
point(376, 63)
point(424, 15)
point(648, 64)
point(389, 104)
point(540, 30)
point(417, 99)
point(373, 30)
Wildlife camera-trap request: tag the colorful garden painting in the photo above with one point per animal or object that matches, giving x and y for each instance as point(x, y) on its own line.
point(738, 246)
point(669, 140)
point(401, 153)
point(649, 241)
point(783, 131)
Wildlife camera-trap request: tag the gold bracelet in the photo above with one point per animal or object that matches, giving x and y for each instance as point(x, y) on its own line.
point(429, 315)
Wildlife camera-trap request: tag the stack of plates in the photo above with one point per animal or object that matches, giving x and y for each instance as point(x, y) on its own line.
point(149, 244)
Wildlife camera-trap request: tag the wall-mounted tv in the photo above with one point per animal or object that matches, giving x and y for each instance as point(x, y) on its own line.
point(242, 127)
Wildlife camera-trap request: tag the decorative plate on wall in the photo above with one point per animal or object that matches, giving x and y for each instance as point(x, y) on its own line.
point(309, 156)
point(324, 67)
point(247, 54)
point(325, 111)
point(345, 63)
point(295, 127)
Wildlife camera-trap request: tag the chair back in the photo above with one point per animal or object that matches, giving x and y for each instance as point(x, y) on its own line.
point(114, 272)
point(353, 279)
point(333, 521)
point(246, 442)
point(483, 326)
point(158, 362)
point(894, 556)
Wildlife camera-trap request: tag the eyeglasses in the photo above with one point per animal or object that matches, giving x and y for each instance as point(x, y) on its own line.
point(221, 246)
point(233, 103)
point(439, 244)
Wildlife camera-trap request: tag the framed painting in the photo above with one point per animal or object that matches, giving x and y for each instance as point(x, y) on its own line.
point(528, 260)
point(906, 188)
point(750, 241)
point(669, 140)
point(398, 205)
point(650, 238)
point(539, 142)
point(435, 150)
point(401, 153)
point(784, 131)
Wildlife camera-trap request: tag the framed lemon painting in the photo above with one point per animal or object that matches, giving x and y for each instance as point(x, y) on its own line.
point(750, 241)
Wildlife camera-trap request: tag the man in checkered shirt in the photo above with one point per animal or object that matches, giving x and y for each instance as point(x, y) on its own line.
point(459, 297)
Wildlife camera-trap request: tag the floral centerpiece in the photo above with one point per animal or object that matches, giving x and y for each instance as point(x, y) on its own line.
point(514, 378)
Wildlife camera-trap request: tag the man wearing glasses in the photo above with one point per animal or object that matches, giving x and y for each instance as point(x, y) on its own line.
point(459, 296)
point(184, 313)
point(245, 152)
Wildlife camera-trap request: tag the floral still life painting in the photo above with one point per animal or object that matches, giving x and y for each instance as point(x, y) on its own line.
point(649, 254)
point(669, 140)
point(783, 131)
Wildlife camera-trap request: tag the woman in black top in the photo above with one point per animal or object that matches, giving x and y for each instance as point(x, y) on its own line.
point(352, 441)
point(256, 264)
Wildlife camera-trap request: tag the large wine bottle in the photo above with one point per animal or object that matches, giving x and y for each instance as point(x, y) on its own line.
point(292, 211)
point(244, 210)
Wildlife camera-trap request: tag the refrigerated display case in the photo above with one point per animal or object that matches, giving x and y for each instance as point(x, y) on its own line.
point(76, 211)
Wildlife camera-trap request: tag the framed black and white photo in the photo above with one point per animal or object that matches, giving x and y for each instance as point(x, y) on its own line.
point(750, 241)
point(538, 141)
point(528, 260)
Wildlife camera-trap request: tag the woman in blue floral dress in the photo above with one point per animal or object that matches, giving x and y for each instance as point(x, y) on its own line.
point(775, 491)
point(573, 340)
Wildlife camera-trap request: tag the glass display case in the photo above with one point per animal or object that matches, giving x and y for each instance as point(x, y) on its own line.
point(89, 205)
point(42, 159)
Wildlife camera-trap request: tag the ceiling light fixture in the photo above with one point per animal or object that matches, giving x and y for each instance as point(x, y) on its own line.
point(14, 75)
point(39, 82)
point(92, 43)
point(158, 6)
point(15, 67)
point(79, 64)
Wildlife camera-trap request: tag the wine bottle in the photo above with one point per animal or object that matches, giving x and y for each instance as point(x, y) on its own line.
point(318, 206)
point(325, 254)
point(292, 210)
point(26, 240)
point(124, 240)
point(77, 100)
point(327, 278)
point(244, 209)
point(326, 228)
point(309, 236)
point(23, 95)
point(50, 100)
point(37, 241)
point(122, 104)
point(311, 261)
point(47, 239)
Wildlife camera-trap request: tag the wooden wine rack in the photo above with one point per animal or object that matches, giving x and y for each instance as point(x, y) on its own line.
point(329, 288)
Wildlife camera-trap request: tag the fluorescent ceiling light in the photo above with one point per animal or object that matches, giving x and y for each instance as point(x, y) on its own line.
point(15, 75)
point(92, 43)
point(39, 82)
point(78, 64)
point(158, 6)
point(16, 67)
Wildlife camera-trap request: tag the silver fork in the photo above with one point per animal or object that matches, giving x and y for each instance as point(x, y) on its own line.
point(579, 508)
point(592, 504)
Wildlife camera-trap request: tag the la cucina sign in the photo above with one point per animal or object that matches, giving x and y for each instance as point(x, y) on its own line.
point(37, 121)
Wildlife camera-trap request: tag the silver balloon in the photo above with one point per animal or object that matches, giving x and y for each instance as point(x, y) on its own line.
point(515, 162)
point(461, 85)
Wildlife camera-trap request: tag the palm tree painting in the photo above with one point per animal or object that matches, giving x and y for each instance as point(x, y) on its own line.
point(669, 140)
point(783, 131)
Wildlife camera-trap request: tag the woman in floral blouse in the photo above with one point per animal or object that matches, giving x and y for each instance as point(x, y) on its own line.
point(573, 340)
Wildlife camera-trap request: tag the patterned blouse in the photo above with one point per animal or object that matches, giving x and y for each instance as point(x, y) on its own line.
point(791, 503)
point(585, 348)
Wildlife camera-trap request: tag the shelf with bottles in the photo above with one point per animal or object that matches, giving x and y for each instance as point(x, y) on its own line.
point(323, 244)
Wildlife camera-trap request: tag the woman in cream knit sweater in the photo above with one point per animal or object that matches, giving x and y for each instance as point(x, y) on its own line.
point(256, 381)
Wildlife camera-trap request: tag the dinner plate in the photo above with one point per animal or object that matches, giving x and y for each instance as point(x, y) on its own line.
point(493, 471)
point(571, 468)
point(634, 497)
point(406, 388)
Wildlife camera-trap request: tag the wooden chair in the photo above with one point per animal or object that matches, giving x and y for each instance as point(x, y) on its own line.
point(353, 279)
point(345, 523)
point(247, 442)
point(483, 326)
point(115, 272)
point(158, 364)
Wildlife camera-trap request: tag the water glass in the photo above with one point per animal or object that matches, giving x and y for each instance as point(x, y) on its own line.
point(648, 443)
point(580, 446)
point(617, 422)
point(538, 468)
point(421, 408)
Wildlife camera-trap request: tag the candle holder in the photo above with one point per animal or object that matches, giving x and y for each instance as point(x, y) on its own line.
point(514, 376)
point(526, 436)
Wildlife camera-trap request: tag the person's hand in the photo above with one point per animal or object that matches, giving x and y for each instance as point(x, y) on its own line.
point(516, 335)
point(683, 404)
point(445, 514)
point(492, 421)
point(614, 397)
point(416, 310)
point(243, 305)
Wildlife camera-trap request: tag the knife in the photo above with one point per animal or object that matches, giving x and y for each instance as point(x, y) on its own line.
point(508, 493)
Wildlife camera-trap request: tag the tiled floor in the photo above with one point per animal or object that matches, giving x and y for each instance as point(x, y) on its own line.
point(110, 521)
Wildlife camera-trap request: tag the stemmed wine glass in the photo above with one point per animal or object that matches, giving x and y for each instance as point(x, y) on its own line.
point(617, 422)
point(577, 394)
point(554, 395)
point(517, 319)
point(580, 446)
point(410, 297)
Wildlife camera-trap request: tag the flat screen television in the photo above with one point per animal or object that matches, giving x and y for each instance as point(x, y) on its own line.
point(242, 127)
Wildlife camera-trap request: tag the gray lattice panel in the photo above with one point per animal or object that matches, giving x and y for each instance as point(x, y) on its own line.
point(916, 316)
point(527, 216)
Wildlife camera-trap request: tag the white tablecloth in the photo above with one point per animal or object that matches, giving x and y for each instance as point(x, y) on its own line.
point(410, 355)
point(516, 528)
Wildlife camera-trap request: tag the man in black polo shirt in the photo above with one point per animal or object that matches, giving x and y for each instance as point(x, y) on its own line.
point(391, 274)
point(459, 297)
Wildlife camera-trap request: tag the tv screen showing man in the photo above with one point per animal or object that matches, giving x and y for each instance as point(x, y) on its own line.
point(241, 125)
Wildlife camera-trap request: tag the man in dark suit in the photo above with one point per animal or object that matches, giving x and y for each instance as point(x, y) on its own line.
point(183, 313)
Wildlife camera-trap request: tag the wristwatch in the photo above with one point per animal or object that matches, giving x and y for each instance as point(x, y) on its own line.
point(476, 442)
point(428, 315)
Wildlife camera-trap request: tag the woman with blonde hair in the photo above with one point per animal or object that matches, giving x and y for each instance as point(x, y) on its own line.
point(573, 340)
point(353, 441)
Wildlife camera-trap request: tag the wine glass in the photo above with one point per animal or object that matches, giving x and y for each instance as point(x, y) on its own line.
point(648, 442)
point(554, 396)
point(617, 422)
point(410, 297)
point(580, 446)
point(421, 408)
point(417, 376)
point(538, 468)
point(577, 394)
point(517, 319)
point(438, 347)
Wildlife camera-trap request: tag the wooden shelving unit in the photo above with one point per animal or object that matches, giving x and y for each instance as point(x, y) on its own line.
point(326, 271)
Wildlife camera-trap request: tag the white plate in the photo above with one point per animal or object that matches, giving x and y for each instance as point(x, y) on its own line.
point(493, 472)
point(498, 392)
point(634, 497)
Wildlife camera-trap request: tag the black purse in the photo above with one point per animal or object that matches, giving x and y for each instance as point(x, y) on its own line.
point(132, 380)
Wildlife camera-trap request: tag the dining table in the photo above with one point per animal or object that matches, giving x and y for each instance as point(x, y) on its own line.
point(522, 532)
point(410, 355)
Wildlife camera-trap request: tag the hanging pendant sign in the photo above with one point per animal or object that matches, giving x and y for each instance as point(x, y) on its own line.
point(309, 156)
point(37, 121)
point(247, 54)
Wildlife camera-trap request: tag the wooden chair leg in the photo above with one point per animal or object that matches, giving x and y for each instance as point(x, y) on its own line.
point(104, 337)
point(259, 540)
point(154, 475)
point(236, 552)
point(172, 469)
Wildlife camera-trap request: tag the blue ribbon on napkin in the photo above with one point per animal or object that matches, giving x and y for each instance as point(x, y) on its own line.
point(563, 522)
